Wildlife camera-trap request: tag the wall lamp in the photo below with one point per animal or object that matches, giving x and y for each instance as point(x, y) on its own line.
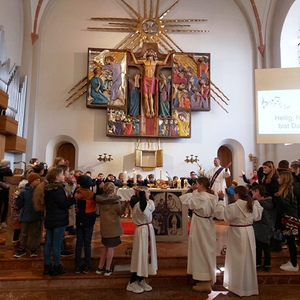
point(105, 157)
point(191, 159)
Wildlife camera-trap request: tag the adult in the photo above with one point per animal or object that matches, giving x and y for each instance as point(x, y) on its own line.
point(217, 176)
point(150, 86)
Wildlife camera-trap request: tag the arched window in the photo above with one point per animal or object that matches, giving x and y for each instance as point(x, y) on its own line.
point(290, 38)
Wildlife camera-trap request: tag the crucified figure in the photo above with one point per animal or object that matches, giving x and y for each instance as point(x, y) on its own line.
point(150, 86)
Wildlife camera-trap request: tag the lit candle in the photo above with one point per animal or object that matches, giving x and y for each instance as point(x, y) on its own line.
point(134, 176)
point(160, 174)
point(125, 176)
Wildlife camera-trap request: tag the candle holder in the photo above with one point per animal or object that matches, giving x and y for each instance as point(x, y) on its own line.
point(105, 158)
point(124, 185)
point(191, 159)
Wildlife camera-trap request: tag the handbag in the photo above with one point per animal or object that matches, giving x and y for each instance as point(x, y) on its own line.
point(290, 222)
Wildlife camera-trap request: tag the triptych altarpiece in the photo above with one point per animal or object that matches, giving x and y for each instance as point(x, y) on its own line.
point(148, 94)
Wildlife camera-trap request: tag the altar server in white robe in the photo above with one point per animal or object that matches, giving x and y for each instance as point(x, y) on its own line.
point(240, 263)
point(202, 237)
point(144, 257)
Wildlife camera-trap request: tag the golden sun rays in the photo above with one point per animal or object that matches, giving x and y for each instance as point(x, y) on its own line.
point(148, 24)
point(149, 27)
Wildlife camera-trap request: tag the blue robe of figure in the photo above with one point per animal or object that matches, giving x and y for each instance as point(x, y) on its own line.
point(134, 99)
point(98, 96)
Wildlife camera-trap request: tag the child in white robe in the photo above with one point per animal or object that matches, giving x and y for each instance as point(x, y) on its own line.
point(240, 263)
point(202, 237)
point(144, 257)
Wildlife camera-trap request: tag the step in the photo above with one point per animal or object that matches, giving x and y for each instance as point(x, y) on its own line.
point(26, 273)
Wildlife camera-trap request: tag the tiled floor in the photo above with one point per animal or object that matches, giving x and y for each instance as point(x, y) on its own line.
point(165, 250)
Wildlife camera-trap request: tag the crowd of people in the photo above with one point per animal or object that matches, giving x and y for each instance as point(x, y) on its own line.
point(60, 199)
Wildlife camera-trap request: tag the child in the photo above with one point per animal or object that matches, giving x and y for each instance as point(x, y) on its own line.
point(85, 221)
point(15, 211)
point(143, 258)
point(56, 219)
point(30, 219)
point(70, 181)
point(287, 205)
point(202, 238)
point(230, 191)
point(263, 229)
point(111, 211)
point(240, 266)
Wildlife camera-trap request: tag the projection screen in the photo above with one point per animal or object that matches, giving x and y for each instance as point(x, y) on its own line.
point(277, 105)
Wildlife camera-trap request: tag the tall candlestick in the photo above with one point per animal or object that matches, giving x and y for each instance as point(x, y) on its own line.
point(134, 176)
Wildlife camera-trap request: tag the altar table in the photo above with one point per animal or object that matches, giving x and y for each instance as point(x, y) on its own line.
point(170, 218)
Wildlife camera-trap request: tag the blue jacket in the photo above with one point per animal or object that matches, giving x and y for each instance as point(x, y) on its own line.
point(57, 206)
point(25, 204)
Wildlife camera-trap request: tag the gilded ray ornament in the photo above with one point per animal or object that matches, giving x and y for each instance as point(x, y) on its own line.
point(149, 25)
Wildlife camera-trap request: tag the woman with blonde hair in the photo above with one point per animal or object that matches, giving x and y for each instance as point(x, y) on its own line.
point(57, 161)
point(287, 205)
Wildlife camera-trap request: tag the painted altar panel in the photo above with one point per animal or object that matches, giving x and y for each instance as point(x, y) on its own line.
point(148, 97)
point(170, 219)
point(106, 78)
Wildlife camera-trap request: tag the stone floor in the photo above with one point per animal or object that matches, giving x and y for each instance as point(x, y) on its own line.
point(22, 278)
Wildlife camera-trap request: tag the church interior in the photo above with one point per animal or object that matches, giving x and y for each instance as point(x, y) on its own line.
point(196, 81)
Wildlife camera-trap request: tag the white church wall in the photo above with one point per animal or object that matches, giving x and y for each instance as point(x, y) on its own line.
point(11, 17)
point(62, 62)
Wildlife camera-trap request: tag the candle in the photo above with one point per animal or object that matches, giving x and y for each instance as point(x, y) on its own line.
point(125, 176)
point(134, 176)
point(160, 174)
point(178, 183)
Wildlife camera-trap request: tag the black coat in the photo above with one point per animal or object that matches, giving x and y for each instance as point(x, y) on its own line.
point(286, 206)
point(4, 193)
point(57, 206)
